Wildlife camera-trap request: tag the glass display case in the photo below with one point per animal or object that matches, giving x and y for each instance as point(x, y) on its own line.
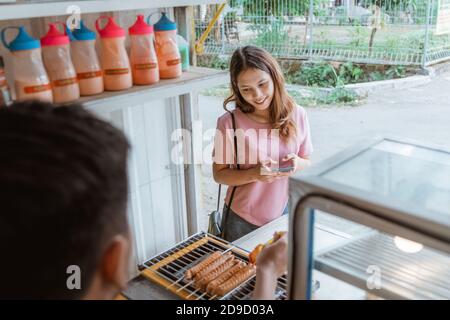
point(400, 191)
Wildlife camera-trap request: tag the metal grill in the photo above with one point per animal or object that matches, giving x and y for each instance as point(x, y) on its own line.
point(171, 265)
point(422, 275)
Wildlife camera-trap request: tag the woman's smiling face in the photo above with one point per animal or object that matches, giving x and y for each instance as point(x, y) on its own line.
point(256, 87)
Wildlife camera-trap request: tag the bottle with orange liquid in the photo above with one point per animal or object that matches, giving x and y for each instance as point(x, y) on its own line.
point(30, 77)
point(85, 60)
point(114, 57)
point(143, 59)
point(58, 62)
point(169, 59)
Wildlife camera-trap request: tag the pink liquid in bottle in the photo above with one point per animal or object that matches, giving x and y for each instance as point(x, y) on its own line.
point(169, 59)
point(58, 62)
point(114, 57)
point(143, 58)
point(85, 60)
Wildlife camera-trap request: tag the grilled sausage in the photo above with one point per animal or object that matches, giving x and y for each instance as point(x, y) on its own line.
point(236, 280)
point(224, 277)
point(205, 271)
point(202, 283)
point(206, 262)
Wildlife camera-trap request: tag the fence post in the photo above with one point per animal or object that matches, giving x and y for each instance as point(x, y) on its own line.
point(222, 20)
point(311, 23)
point(427, 31)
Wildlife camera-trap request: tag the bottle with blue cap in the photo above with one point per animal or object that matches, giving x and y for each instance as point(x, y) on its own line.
point(30, 77)
point(85, 60)
point(169, 59)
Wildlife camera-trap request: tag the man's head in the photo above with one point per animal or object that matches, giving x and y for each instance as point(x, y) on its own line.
point(63, 197)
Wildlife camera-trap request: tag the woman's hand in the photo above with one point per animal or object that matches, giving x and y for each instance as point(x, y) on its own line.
point(297, 162)
point(264, 173)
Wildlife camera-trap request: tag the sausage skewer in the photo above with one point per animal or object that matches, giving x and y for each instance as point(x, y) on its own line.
point(213, 274)
point(242, 276)
point(224, 277)
point(206, 262)
point(199, 275)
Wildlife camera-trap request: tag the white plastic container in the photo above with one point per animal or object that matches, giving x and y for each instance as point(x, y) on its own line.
point(85, 60)
point(169, 59)
point(114, 57)
point(30, 77)
point(58, 62)
point(143, 58)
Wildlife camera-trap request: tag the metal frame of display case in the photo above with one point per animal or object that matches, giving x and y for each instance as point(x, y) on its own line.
point(311, 192)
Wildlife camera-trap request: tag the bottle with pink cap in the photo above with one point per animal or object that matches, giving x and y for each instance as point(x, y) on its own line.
point(30, 77)
point(169, 59)
point(58, 62)
point(114, 58)
point(143, 59)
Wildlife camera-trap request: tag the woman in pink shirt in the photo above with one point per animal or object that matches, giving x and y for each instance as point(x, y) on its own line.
point(272, 132)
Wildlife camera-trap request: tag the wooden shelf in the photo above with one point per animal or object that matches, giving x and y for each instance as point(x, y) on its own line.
point(23, 10)
point(196, 78)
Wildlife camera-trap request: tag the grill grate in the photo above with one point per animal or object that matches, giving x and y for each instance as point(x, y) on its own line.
point(168, 268)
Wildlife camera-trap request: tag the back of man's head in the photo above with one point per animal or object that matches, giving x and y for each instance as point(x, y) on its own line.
point(63, 194)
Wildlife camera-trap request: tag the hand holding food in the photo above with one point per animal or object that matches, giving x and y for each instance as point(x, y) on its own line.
point(273, 257)
point(254, 254)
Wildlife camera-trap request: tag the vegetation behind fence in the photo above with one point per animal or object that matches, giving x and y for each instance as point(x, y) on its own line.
point(395, 32)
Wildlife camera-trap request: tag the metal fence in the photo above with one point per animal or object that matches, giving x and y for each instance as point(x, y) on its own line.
point(362, 31)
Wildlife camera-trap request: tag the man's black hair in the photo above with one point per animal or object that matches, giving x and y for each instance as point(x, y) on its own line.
point(63, 196)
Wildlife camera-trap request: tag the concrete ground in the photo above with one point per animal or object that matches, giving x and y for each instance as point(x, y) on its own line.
point(420, 113)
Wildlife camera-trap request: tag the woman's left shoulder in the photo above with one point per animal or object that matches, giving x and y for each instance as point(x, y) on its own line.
point(299, 112)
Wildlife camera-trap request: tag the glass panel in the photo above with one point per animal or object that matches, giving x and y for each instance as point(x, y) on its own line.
point(363, 263)
point(414, 175)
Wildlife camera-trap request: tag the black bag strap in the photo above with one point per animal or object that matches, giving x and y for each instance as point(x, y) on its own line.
point(237, 159)
point(238, 167)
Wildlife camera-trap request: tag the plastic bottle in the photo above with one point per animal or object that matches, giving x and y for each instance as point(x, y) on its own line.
point(30, 78)
point(5, 96)
point(58, 62)
point(144, 63)
point(85, 60)
point(183, 47)
point(114, 58)
point(169, 60)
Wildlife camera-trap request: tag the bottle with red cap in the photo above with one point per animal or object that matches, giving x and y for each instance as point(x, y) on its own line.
point(169, 59)
point(114, 57)
point(58, 62)
point(30, 78)
point(142, 54)
point(85, 60)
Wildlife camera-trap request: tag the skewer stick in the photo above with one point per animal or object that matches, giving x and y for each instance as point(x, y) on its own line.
point(213, 297)
point(229, 249)
point(204, 294)
point(174, 283)
point(193, 292)
point(185, 286)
